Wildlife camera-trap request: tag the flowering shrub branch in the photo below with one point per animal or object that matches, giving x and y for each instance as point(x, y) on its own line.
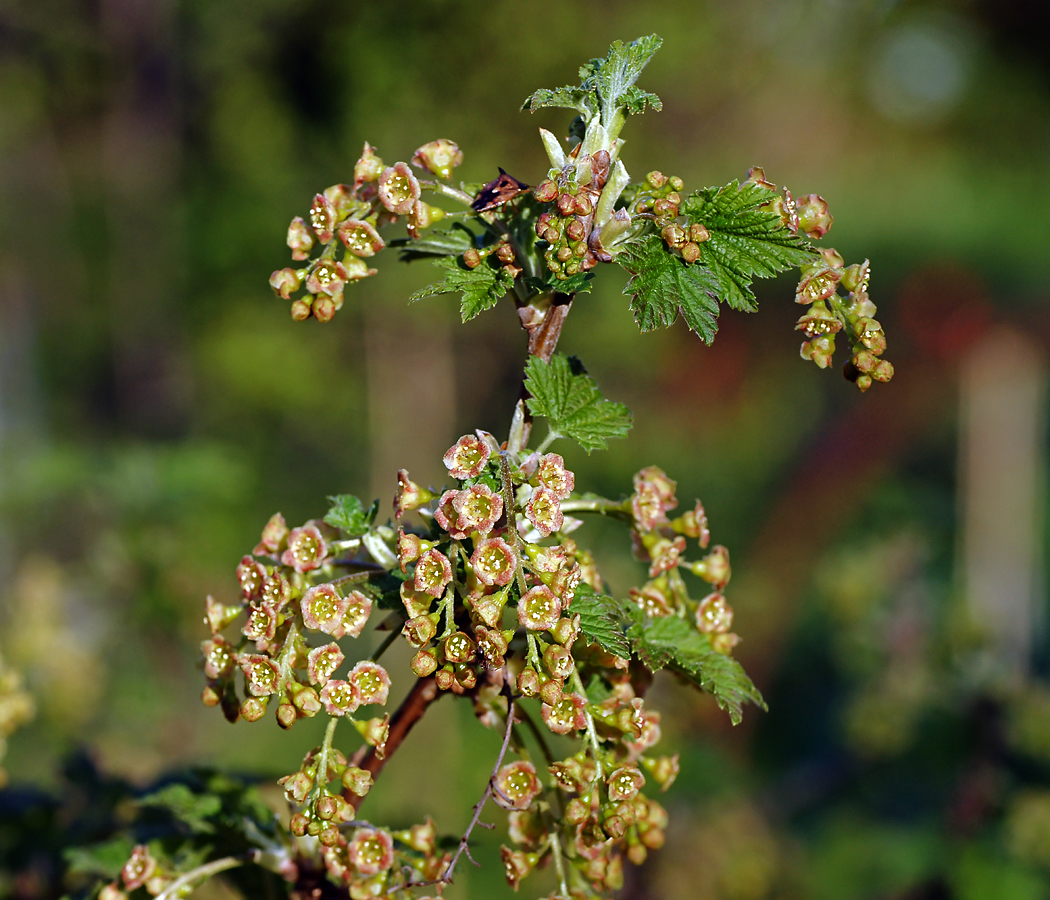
point(484, 578)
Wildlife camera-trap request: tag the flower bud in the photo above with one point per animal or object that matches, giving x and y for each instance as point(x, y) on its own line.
point(664, 770)
point(465, 676)
point(139, 868)
point(419, 631)
point(559, 661)
point(566, 631)
point(820, 350)
point(299, 240)
point(516, 865)
point(438, 157)
point(690, 252)
point(813, 216)
point(492, 645)
point(445, 677)
point(252, 709)
point(424, 663)
point(855, 277)
point(322, 218)
point(545, 191)
point(375, 732)
point(714, 568)
point(409, 495)
point(357, 781)
point(398, 189)
point(656, 179)
point(551, 690)
point(528, 682)
point(286, 282)
point(301, 310)
point(714, 615)
point(368, 168)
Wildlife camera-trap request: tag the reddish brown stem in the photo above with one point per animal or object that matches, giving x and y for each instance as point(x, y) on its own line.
point(424, 692)
point(543, 339)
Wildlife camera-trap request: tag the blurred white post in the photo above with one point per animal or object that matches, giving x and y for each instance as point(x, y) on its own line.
point(1002, 491)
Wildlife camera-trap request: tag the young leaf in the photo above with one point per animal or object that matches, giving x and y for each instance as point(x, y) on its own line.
point(567, 396)
point(348, 514)
point(481, 287)
point(192, 809)
point(606, 86)
point(449, 242)
point(105, 859)
point(662, 285)
point(746, 241)
point(599, 622)
point(674, 643)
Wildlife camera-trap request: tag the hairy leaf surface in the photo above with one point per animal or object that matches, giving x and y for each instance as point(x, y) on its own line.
point(482, 287)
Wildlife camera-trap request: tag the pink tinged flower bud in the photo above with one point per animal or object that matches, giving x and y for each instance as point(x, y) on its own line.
point(516, 785)
point(665, 555)
point(447, 517)
point(261, 624)
point(554, 476)
point(559, 661)
point(546, 560)
point(529, 682)
point(217, 615)
point(340, 698)
point(714, 615)
point(813, 216)
point(323, 661)
point(516, 865)
point(551, 691)
point(653, 602)
point(424, 663)
point(371, 851)
point(647, 508)
point(493, 561)
point(273, 535)
point(564, 584)
point(250, 576)
point(372, 682)
point(261, 674)
point(357, 781)
point(368, 168)
point(219, 657)
point(322, 218)
point(664, 770)
point(492, 645)
point(409, 495)
point(467, 457)
point(300, 310)
point(657, 478)
point(566, 715)
point(819, 350)
point(489, 608)
point(869, 332)
point(398, 189)
point(539, 609)
point(252, 709)
point(375, 732)
point(306, 549)
point(714, 568)
point(856, 277)
point(300, 240)
point(286, 282)
point(433, 573)
point(438, 157)
point(625, 783)
point(360, 238)
point(323, 609)
point(139, 868)
point(757, 175)
point(477, 508)
point(544, 511)
point(409, 548)
point(305, 700)
point(419, 631)
point(566, 631)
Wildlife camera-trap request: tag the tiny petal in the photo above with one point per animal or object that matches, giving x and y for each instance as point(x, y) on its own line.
point(467, 457)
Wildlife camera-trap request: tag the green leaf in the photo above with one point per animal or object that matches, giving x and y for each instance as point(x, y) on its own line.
point(481, 287)
point(746, 242)
point(599, 621)
point(105, 859)
point(448, 242)
point(580, 283)
point(562, 392)
point(606, 85)
point(348, 514)
point(192, 809)
point(662, 285)
point(674, 643)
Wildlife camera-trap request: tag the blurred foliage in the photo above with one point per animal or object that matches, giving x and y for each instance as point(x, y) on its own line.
point(156, 406)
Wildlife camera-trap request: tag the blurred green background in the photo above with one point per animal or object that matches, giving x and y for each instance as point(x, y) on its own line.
point(157, 404)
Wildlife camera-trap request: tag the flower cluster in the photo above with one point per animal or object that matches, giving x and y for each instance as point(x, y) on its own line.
point(345, 220)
